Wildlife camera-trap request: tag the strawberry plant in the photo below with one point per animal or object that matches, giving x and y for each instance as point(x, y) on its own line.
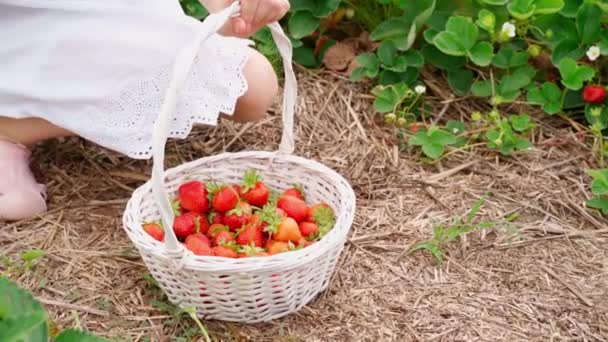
point(547, 53)
point(22, 318)
point(599, 188)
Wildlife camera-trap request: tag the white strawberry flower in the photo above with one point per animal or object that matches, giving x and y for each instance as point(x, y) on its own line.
point(420, 89)
point(593, 52)
point(508, 29)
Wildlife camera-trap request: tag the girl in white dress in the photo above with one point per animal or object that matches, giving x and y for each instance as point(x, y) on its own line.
point(100, 68)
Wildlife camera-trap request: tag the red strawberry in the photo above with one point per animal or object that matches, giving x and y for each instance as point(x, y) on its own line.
point(304, 243)
point(199, 244)
point(308, 229)
point(238, 189)
point(254, 191)
point(287, 231)
point(293, 207)
point(237, 217)
point(226, 252)
point(276, 247)
point(216, 218)
point(193, 197)
point(594, 94)
point(225, 199)
point(155, 231)
point(216, 228)
point(223, 237)
point(295, 192)
point(281, 212)
point(187, 224)
point(251, 234)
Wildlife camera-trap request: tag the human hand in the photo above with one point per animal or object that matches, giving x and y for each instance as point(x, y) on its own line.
point(255, 14)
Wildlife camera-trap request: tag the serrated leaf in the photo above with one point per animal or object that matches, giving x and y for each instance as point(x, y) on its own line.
point(437, 58)
point(574, 75)
point(486, 20)
point(521, 122)
point(432, 150)
point(521, 9)
point(419, 139)
point(507, 57)
point(389, 97)
point(441, 137)
point(460, 80)
point(22, 318)
point(398, 30)
point(512, 83)
point(305, 56)
point(302, 24)
point(567, 48)
point(599, 186)
point(599, 203)
point(588, 23)
point(386, 53)
point(481, 54)
point(482, 88)
point(548, 96)
point(544, 7)
point(458, 38)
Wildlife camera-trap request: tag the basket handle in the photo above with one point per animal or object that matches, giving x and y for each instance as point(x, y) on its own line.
point(181, 69)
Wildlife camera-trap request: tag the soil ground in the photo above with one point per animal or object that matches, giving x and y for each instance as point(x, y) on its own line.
point(541, 277)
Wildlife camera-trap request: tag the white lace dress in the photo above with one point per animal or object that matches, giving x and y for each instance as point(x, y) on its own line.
point(100, 68)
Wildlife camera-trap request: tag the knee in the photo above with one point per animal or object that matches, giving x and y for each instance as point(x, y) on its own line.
point(261, 92)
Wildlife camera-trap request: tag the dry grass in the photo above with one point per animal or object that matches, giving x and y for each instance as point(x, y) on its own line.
point(548, 282)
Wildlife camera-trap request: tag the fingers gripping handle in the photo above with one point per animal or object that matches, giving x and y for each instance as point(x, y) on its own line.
point(181, 69)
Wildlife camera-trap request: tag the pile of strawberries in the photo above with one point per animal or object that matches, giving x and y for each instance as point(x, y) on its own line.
point(244, 220)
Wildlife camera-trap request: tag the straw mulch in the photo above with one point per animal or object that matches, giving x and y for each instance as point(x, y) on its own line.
point(540, 277)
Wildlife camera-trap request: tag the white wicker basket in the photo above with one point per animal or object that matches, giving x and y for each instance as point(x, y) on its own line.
point(248, 289)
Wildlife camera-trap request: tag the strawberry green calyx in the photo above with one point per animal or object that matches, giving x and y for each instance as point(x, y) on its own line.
point(270, 216)
point(250, 179)
point(176, 207)
point(232, 245)
point(250, 250)
point(213, 188)
point(197, 224)
point(220, 229)
point(325, 219)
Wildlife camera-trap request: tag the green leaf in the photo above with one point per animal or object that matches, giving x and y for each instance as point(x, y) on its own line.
point(494, 2)
point(507, 57)
point(418, 12)
point(397, 30)
point(386, 53)
point(574, 75)
point(588, 23)
point(359, 73)
point(318, 8)
point(599, 186)
point(441, 137)
point(22, 318)
point(433, 150)
point(570, 8)
point(429, 34)
point(419, 139)
point(512, 83)
point(521, 122)
point(302, 24)
point(599, 203)
point(567, 48)
point(548, 96)
point(370, 62)
point(455, 127)
point(458, 38)
point(521, 9)
point(72, 335)
point(437, 58)
point(305, 56)
point(481, 54)
point(482, 88)
point(25, 328)
point(486, 20)
point(545, 7)
point(389, 97)
point(460, 80)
